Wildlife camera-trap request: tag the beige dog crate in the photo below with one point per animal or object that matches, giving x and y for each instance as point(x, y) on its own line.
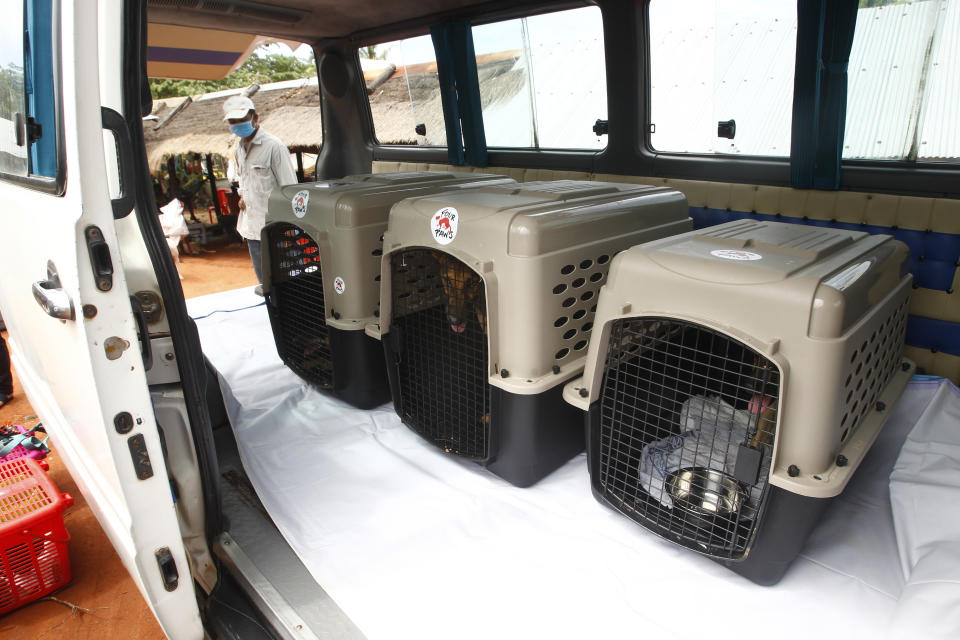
point(321, 270)
point(737, 378)
point(487, 308)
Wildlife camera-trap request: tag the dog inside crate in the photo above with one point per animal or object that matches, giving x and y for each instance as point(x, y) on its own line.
point(440, 323)
point(687, 429)
point(298, 312)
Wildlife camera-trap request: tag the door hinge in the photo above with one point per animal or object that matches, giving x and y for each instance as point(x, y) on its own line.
point(168, 569)
point(100, 261)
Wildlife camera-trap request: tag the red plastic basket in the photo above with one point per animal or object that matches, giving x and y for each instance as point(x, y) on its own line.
point(33, 540)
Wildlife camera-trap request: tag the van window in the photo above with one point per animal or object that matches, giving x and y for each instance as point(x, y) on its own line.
point(903, 79)
point(13, 110)
point(715, 61)
point(28, 126)
point(406, 108)
point(543, 83)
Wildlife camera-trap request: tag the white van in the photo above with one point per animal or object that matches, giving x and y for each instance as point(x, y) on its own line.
point(647, 92)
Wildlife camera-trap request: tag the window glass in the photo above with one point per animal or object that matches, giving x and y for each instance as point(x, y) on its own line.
point(28, 121)
point(716, 60)
point(406, 108)
point(542, 80)
point(13, 111)
point(903, 82)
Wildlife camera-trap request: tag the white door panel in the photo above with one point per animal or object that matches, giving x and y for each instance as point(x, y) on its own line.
point(80, 374)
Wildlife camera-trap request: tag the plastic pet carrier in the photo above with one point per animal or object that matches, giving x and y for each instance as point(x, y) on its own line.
point(321, 249)
point(738, 377)
point(34, 561)
point(488, 304)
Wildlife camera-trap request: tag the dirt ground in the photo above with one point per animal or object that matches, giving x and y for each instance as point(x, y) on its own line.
point(102, 602)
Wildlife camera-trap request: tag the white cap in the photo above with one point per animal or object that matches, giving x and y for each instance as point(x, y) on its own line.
point(237, 107)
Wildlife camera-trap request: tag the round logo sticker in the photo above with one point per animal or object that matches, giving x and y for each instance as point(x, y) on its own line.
point(443, 225)
point(299, 203)
point(735, 254)
point(339, 285)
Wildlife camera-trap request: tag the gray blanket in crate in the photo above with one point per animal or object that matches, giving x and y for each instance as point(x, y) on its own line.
point(711, 432)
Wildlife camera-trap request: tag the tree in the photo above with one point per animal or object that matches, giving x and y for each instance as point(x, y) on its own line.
point(260, 68)
point(11, 90)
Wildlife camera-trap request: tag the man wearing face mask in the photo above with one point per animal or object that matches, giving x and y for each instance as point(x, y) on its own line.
point(260, 162)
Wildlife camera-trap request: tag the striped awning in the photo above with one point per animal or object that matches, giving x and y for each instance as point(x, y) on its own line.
point(196, 54)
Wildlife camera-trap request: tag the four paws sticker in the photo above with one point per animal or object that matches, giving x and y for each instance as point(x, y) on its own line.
point(736, 254)
point(443, 225)
point(299, 203)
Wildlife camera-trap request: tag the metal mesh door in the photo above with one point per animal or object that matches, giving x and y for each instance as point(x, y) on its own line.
point(297, 310)
point(686, 427)
point(439, 329)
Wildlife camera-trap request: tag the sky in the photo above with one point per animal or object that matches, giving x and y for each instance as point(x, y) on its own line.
point(501, 36)
point(11, 35)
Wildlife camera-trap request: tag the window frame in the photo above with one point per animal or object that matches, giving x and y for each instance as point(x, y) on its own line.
point(397, 152)
point(55, 185)
point(628, 150)
point(932, 178)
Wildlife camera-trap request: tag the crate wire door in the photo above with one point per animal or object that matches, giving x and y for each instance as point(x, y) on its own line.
point(658, 372)
point(439, 325)
point(297, 311)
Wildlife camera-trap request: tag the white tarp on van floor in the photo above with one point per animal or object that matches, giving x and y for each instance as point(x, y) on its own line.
point(412, 543)
point(925, 494)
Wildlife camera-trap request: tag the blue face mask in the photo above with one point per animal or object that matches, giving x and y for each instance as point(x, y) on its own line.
point(242, 129)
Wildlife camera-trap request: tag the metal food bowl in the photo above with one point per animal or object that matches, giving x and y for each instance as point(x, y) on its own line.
point(705, 491)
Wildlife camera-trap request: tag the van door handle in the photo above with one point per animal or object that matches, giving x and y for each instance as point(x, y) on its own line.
point(51, 297)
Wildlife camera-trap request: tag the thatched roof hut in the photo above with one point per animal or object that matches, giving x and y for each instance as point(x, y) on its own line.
point(291, 110)
point(411, 97)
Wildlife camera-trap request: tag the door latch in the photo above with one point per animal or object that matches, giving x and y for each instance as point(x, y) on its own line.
point(168, 569)
point(100, 260)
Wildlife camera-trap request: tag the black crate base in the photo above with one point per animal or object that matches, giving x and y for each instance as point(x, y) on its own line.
point(535, 435)
point(530, 435)
point(786, 521)
point(358, 371)
point(360, 375)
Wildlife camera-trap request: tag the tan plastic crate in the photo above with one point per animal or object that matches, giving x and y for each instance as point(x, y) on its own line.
point(321, 269)
point(487, 308)
point(738, 376)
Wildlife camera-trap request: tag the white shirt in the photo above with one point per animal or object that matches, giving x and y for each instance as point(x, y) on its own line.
point(265, 165)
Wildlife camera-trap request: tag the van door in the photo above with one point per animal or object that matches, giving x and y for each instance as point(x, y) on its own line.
point(64, 298)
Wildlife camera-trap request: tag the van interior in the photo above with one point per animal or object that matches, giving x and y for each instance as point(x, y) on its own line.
point(838, 116)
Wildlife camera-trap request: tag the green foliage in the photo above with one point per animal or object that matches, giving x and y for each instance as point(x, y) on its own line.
point(260, 68)
point(11, 90)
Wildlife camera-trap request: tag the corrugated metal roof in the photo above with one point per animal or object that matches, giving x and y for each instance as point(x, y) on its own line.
point(940, 119)
point(884, 74)
point(714, 61)
point(709, 65)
